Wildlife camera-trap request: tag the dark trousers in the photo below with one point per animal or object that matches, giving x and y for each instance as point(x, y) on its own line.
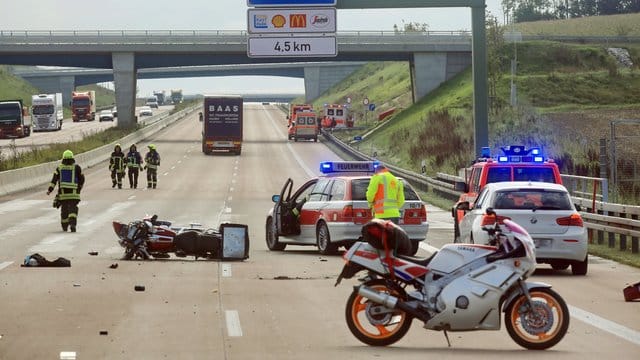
point(133, 177)
point(116, 178)
point(152, 178)
point(68, 213)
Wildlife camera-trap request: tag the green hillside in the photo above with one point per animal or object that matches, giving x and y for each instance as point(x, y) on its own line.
point(567, 96)
point(12, 87)
point(611, 25)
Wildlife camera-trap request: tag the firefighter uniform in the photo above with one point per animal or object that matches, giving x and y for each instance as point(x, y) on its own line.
point(134, 165)
point(69, 178)
point(152, 158)
point(385, 195)
point(117, 166)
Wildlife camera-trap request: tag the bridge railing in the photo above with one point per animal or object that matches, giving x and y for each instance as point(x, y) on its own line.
point(35, 37)
point(617, 221)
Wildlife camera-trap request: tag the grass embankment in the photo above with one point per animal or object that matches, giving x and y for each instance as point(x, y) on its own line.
point(611, 25)
point(14, 88)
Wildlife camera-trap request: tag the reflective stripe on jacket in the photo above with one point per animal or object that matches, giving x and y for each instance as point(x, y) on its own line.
point(385, 195)
point(68, 182)
point(153, 160)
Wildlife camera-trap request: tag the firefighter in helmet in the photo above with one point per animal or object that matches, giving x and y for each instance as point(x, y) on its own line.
point(70, 180)
point(152, 158)
point(134, 165)
point(117, 166)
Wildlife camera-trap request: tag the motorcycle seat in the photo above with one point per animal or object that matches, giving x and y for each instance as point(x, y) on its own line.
point(418, 260)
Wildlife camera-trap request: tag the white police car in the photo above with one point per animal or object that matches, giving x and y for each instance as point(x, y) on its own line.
point(333, 208)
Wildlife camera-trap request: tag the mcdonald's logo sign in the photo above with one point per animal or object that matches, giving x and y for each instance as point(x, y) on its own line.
point(298, 20)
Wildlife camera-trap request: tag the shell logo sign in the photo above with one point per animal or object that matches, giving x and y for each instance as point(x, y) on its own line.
point(278, 21)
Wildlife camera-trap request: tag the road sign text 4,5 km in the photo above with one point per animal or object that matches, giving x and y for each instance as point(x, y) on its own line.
point(294, 46)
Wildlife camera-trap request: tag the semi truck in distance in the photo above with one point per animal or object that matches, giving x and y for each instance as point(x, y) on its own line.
point(176, 96)
point(222, 124)
point(160, 96)
point(14, 122)
point(83, 106)
point(46, 112)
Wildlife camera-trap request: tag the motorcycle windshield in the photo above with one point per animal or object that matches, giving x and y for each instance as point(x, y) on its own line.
point(521, 235)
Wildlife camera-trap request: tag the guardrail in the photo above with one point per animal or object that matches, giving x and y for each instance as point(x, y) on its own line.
point(26, 178)
point(619, 223)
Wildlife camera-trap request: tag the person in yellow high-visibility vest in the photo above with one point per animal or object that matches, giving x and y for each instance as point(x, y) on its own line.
point(70, 180)
point(385, 195)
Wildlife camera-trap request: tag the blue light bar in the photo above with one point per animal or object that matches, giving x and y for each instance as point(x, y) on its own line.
point(330, 167)
point(503, 158)
point(538, 159)
point(535, 151)
point(485, 152)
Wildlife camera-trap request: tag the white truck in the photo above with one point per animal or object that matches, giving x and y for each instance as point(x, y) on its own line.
point(46, 112)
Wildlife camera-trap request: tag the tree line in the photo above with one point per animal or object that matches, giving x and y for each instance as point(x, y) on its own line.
point(534, 10)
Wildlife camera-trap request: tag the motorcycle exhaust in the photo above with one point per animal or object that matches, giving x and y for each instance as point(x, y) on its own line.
point(390, 301)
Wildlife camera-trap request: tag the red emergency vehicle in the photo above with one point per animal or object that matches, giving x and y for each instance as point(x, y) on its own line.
point(293, 111)
point(336, 116)
point(515, 164)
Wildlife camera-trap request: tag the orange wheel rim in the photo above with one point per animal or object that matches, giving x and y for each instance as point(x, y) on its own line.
point(390, 323)
point(550, 309)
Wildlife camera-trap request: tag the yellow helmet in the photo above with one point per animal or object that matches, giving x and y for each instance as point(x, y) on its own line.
point(67, 154)
point(152, 147)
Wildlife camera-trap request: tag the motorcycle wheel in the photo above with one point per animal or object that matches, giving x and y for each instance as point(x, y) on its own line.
point(372, 327)
point(541, 327)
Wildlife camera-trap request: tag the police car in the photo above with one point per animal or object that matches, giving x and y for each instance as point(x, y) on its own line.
point(328, 211)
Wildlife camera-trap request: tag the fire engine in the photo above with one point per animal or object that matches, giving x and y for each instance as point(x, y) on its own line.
point(515, 164)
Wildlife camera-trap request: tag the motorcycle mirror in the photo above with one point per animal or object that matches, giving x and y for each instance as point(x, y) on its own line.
point(154, 218)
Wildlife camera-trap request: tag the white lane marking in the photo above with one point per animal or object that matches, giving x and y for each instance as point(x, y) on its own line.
point(231, 189)
point(295, 156)
point(234, 174)
point(131, 197)
point(173, 167)
point(67, 355)
point(165, 174)
point(606, 325)
point(229, 198)
point(233, 323)
point(179, 161)
point(227, 210)
point(233, 181)
point(7, 263)
point(226, 270)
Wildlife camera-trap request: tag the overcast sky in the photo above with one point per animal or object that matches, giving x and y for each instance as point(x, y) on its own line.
point(208, 15)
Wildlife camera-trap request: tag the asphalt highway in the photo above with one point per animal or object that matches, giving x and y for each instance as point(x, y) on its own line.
point(274, 305)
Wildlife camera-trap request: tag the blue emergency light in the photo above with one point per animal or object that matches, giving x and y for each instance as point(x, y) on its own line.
point(518, 154)
point(331, 167)
point(485, 152)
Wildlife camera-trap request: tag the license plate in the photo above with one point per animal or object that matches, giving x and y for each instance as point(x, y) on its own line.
point(542, 242)
point(223, 144)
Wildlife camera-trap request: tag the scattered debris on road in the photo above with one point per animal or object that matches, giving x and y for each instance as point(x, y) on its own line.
point(93, 253)
point(104, 332)
point(139, 288)
point(113, 266)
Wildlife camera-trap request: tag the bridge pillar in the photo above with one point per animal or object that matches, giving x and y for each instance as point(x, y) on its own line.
point(55, 84)
point(318, 79)
point(124, 80)
point(429, 70)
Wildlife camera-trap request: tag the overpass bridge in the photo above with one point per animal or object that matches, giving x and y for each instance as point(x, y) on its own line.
point(65, 80)
point(434, 57)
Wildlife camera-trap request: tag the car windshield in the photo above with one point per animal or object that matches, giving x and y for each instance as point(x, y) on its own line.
point(521, 199)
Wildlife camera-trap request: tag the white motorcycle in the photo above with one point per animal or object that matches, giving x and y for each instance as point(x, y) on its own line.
point(462, 287)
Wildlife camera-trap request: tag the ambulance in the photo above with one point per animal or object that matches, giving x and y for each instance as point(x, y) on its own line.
point(336, 112)
point(293, 111)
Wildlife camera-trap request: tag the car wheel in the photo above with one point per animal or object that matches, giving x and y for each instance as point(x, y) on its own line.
point(560, 264)
point(580, 267)
point(323, 240)
point(272, 237)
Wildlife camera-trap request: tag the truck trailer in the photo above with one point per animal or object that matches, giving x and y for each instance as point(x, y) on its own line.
point(46, 112)
point(160, 97)
point(222, 124)
point(176, 96)
point(14, 122)
point(83, 106)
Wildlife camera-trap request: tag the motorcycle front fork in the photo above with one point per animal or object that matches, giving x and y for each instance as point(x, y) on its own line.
point(525, 291)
